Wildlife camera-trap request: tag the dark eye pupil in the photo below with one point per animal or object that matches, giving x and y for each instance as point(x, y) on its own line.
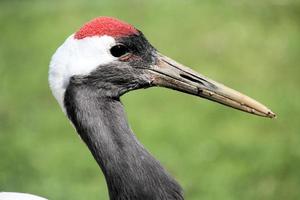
point(118, 50)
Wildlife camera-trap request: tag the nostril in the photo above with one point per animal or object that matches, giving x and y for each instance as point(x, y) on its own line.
point(191, 78)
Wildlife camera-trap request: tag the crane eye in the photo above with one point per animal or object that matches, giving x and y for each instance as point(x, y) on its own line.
point(119, 50)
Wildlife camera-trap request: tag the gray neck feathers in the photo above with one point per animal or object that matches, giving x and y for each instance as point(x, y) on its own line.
point(130, 171)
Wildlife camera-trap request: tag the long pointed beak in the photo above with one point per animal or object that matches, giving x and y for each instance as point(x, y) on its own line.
point(168, 73)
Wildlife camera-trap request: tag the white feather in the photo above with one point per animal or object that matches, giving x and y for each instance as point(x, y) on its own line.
point(18, 196)
point(77, 57)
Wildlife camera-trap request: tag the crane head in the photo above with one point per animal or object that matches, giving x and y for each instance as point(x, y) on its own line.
point(112, 57)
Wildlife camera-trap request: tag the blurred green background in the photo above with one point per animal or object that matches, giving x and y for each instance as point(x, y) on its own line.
point(213, 151)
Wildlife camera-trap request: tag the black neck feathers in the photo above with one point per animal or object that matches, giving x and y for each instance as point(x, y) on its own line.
point(130, 171)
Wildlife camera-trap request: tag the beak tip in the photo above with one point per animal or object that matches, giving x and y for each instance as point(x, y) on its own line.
point(272, 115)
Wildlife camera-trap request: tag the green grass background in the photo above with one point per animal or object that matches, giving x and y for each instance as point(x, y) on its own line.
point(213, 151)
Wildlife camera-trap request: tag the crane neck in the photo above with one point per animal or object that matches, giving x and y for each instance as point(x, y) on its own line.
point(129, 169)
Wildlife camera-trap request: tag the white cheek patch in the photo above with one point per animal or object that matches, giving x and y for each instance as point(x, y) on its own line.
point(77, 57)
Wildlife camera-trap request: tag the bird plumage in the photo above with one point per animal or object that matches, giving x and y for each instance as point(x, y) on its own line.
point(130, 171)
point(89, 73)
point(19, 196)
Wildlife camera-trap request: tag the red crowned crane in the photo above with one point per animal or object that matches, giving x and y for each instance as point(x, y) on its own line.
point(91, 70)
